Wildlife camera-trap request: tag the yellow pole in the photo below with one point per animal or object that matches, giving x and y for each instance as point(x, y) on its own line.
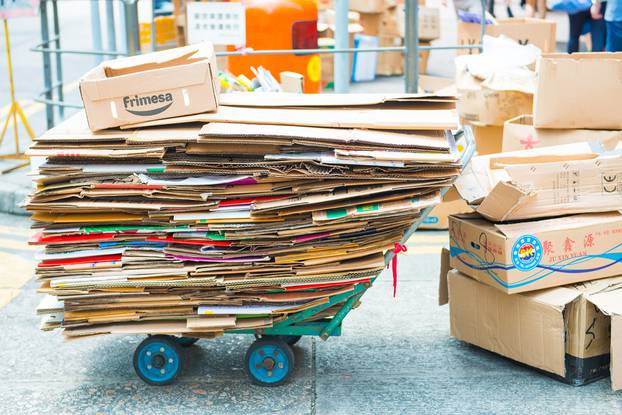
point(15, 110)
point(12, 112)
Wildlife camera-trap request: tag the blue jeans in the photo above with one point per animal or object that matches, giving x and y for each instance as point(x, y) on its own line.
point(597, 29)
point(614, 36)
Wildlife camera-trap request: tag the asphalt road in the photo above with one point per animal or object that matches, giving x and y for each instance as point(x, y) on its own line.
point(395, 357)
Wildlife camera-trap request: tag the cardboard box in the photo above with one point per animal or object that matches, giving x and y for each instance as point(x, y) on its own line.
point(392, 63)
point(369, 6)
point(528, 256)
point(543, 182)
point(485, 106)
point(571, 332)
point(538, 32)
point(381, 24)
point(429, 22)
point(503, 95)
point(520, 134)
point(579, 91)
point(153, 86)
point(488, 138)
point(439, 216)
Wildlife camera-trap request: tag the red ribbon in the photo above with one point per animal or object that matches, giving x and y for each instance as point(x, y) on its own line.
point(396, 250)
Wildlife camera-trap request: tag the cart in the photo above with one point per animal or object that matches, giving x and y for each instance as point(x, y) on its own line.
point(269, 360)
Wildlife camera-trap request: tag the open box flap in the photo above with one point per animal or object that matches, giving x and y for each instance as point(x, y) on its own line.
point(610, 303)
point(158, 80)
point(158, 60)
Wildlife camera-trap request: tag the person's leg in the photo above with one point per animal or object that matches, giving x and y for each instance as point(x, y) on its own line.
point(614, 36)
point(541, 9)
point(598, 31)
point(576, 21)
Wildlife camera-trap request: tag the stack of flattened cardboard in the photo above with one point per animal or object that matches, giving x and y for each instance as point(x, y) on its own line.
point(275, 204)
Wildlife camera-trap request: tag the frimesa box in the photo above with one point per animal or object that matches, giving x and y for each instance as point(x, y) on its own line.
point(153, 86)
point(528, 256)
point(571, 332)
point(520, 134)
point(538, 32)
point(579, 90)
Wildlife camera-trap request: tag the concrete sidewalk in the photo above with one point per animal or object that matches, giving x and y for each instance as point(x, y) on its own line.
point(395, 357)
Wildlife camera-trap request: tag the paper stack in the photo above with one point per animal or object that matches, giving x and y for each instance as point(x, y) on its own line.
point(279, 202)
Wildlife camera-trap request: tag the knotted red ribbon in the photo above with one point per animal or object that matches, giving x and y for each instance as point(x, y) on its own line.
point(396, 250)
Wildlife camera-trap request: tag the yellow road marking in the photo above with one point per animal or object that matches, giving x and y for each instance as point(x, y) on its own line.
point(31, 107)
point(16, 245)
point(424, 250)
point(10, 230)
point(17, 272)
point(4, 111)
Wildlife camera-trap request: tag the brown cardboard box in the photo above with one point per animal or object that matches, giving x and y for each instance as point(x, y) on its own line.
point(582, 90)
point(381, 24)
point(486, 106)
point(520, 134)
point(452, 204)
point(392, 63)
point(570, 332)
point(429, 22)
point(488, 138)
point(153, 86)
point(538, 32)
point(492, 101)
point(369, 6)
point(528, 256)
point(543, 182)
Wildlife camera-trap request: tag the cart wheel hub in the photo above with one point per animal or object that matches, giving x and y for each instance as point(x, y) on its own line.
point(158, 361)
point(269, 363)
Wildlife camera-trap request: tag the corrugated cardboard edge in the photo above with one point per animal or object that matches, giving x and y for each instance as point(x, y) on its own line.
point(610, 303)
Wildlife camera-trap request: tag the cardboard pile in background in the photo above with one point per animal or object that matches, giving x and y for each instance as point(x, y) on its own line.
point(536, 269)
point(200, 228)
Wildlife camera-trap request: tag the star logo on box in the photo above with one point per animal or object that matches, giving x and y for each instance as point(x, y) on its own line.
point(526, 253)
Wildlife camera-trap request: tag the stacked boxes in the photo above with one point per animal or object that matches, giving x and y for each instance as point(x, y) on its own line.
point(536, 270)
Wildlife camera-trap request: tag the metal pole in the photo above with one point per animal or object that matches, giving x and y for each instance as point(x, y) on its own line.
point(483, 24)
point(58, 60)
point(96, 30)
point(412, 46)
point(342, 70)
point(110, 29)
point(131, 27)
point(153, 26)
point(47, 70)
point(122, 33)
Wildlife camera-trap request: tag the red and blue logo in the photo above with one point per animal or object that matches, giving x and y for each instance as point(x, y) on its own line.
point(526, 253)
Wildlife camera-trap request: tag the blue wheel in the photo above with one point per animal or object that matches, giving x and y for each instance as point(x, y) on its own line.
point(269, 362)
point(157, 360)
point(186, 341)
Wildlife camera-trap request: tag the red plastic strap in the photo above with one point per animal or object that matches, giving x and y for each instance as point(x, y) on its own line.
point(396, 250)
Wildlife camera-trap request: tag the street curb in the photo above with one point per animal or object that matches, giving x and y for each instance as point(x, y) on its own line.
point(11, 195)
